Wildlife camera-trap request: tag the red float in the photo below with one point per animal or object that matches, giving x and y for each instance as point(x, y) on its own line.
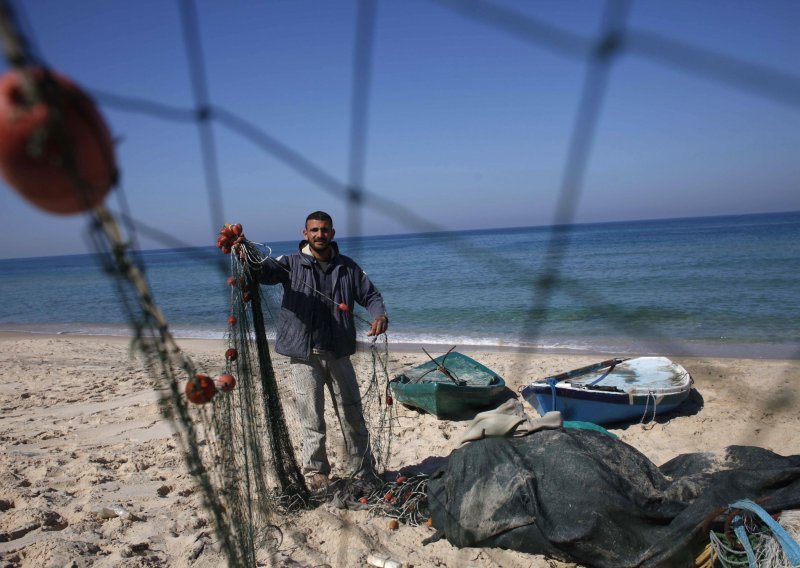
point(344, 308)
point(226, 382)
point(38, 140)
point(229, 236)
point(231, 354)
point(227, 232)
point(200, 390)
point(232, 320)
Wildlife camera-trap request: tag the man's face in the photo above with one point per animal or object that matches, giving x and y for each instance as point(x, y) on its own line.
point(319, 235)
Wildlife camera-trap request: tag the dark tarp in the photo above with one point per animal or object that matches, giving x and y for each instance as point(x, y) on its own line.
point(582, 496)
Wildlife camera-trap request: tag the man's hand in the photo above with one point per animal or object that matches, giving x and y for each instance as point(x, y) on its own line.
point(379, 325)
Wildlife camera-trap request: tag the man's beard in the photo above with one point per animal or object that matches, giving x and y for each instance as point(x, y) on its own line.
point(319, 248)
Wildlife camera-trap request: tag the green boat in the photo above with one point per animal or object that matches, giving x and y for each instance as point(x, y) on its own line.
point(449, 386)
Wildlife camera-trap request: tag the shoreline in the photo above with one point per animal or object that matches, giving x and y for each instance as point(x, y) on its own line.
point(771, 353)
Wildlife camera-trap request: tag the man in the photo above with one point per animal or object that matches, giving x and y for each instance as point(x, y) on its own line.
point(317, 331)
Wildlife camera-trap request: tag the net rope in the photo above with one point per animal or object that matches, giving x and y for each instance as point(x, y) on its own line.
point(725, 549)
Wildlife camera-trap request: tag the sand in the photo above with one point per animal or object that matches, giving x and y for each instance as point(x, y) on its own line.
point(91, 474)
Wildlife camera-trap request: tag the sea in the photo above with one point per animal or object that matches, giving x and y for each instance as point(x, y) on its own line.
point(713, 286)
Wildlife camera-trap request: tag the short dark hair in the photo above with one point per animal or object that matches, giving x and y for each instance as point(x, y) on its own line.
point(319, 216)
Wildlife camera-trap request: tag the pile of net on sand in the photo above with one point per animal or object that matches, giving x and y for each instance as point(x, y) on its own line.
point(581, 496)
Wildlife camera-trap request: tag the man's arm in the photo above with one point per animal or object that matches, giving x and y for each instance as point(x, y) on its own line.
point(272, 270)
point(370, 297)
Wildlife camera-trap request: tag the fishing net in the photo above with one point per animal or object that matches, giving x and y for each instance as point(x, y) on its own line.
point(241, 439)
point(529, 494)
point(254, 427)
point(236, 439)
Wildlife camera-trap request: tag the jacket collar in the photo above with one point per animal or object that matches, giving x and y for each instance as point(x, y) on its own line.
point(308, 258)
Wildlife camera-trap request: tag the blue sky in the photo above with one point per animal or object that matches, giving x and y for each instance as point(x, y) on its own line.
point(468, 125)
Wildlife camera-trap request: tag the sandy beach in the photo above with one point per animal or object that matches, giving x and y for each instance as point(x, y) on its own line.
point(91, 474)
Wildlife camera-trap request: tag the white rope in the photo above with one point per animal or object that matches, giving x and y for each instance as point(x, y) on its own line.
point(651, 423)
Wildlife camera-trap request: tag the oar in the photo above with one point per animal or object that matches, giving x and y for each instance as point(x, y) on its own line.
point(587, 369)
point(551, 381)
point(442, 369)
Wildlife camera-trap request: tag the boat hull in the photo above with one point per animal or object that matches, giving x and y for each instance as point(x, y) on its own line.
point(447, 401)
point(427, 389)
point(633, 396)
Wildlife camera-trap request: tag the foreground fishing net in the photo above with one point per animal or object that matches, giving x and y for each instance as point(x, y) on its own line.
point(237, 437)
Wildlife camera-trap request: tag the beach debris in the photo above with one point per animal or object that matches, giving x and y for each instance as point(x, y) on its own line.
point(56, 150)
point(201, 389)
point(226, 382)
point(114, 511)
point(200, 542)
point(135, 549)
point(384, 561)
point(164, 490)
point(198, 522)
point(393, 525)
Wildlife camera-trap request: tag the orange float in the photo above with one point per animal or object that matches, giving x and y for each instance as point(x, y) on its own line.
point(226, 382)
point(229, 236)
point(38, 140)
point(200, 390)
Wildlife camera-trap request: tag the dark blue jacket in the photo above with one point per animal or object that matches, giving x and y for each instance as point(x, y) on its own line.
point(307, 309)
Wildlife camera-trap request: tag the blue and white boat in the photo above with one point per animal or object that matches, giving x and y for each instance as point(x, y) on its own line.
point(615, 390)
